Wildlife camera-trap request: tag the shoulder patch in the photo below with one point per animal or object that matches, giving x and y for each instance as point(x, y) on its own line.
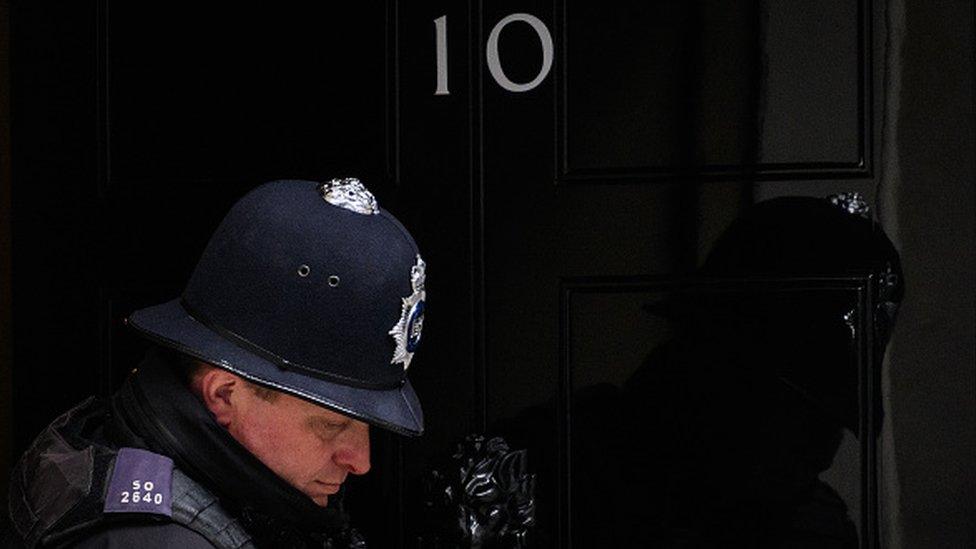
point(141, 483)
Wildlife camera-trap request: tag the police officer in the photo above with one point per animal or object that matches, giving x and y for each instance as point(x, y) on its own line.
point(238, 429)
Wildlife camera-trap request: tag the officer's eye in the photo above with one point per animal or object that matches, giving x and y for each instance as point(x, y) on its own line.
point(326, 428)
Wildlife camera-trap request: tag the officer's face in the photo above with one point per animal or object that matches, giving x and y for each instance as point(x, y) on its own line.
point(312, 448)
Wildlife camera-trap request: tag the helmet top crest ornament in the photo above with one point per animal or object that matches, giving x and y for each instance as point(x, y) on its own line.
point(852, 203)
point(407, 330)
point(351, 194)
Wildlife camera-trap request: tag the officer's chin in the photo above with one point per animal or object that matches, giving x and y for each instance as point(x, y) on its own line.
point(321, 501)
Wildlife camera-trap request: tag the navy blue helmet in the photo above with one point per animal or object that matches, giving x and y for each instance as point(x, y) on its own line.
point(311, 289)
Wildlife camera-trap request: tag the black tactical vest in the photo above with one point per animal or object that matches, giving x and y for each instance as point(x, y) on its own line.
point(70, 483)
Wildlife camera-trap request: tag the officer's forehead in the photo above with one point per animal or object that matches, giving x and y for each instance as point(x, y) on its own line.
point(312, 412)
point(322, 412)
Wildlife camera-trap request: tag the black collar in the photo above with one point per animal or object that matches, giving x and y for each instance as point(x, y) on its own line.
point(156, 411)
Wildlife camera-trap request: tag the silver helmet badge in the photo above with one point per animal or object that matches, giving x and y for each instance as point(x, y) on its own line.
point(407, 331)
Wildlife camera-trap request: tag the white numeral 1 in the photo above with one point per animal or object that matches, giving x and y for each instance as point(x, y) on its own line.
point(440, 25)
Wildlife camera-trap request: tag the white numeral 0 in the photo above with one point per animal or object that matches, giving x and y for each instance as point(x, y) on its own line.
point(494, 63)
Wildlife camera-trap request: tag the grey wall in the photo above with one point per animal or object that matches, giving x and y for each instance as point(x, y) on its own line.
point(928, 200)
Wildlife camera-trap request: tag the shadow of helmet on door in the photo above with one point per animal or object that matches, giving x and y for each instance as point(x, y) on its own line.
point(734, 420)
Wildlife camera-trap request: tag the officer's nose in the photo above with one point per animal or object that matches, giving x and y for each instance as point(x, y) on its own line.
point(354, 452)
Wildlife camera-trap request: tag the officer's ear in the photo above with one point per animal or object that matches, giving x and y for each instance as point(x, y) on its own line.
point(217, 389)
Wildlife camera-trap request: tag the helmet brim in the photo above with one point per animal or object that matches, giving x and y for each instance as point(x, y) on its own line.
point(170, 325)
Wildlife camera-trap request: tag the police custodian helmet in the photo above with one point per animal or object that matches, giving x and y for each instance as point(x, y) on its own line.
point(311, 289)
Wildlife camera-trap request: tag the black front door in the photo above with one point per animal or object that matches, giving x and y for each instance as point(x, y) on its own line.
point(562, 166)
